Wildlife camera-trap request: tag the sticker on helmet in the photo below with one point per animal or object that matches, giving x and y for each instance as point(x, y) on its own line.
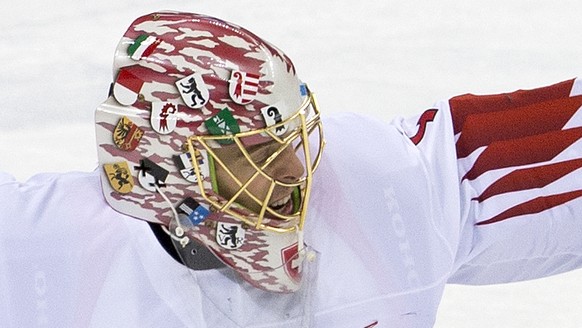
point(184, 164)
point(193, 90)
point(143, 46)
point(196, 213)
point(127, 87)
point(150, 175)
point(119, 176)
point(127, 134)
point(303, 90)
point(273, 116)
point(230, 235)
point(292, 260)
point(243, 86)
point(164, 117)
point(222, 123)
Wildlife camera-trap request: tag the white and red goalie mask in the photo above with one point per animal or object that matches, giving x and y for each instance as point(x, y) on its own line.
point(185, 85)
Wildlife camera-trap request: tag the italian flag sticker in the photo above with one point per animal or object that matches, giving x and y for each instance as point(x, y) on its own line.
point(143, 46)
point(127, 86)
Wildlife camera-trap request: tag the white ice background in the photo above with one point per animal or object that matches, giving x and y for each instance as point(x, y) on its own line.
point(383, 57)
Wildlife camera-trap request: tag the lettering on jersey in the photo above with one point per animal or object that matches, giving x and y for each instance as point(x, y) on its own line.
point(42, 301)
point(425, 118)
point(230, 235)
point(412, 276)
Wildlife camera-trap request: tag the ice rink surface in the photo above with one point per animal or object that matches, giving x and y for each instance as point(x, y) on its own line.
point(383, 57)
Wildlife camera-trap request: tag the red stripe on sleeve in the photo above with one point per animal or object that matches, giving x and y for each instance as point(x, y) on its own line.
point(485, 128)
point(533, 206)
point(466, 105)
point(523, 151)
point(427, 116)
point(530, 178)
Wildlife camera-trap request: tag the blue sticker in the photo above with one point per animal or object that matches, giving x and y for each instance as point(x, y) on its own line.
point(196, 213)
point(303, 89)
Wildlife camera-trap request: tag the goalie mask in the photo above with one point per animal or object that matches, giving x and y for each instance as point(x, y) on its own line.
point(201, 120)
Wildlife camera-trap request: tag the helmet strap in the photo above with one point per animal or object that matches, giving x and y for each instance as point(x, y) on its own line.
point(192, 253)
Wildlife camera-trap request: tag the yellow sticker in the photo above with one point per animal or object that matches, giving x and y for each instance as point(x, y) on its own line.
point(119, 176)
point(127, 134)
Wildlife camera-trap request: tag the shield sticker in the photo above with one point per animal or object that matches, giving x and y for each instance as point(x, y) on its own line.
point(243, 86)
point(193, 90)
point(222, 123)
point(185, 165)
point(151, 175)
point(119, 176)
point(196, 212)
point(272, 116)
point(143, 46)
point(127, 86)
point(230, 235)
point(127, 134)
point(164, 117)
point(292, 261)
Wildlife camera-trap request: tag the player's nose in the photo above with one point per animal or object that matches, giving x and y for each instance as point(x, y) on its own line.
point(287, 167)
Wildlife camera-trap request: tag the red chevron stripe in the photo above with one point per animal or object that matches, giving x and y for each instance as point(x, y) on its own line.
point(466, 105)
point(485, 128)
point(530, 178)
point(533, 206)
point(427, 116)
point(523, 151)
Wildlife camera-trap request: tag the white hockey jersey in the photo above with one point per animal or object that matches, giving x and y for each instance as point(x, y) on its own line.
point(477, 190)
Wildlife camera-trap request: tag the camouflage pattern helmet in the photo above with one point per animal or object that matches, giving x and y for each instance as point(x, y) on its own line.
point(186, 85)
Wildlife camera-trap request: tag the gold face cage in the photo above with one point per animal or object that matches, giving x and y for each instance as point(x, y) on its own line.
point(298, 138)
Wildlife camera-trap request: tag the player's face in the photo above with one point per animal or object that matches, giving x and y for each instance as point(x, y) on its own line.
point(286, 168)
